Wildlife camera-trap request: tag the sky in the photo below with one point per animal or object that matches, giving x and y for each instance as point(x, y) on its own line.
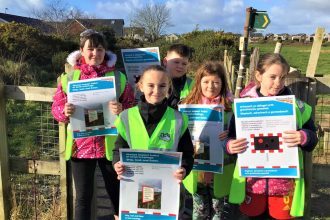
point(287, 16)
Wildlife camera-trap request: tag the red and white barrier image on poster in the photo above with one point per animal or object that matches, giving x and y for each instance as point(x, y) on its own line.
point(266, 143)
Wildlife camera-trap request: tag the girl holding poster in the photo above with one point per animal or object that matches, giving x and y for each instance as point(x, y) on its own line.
point(279, 198)
point(153, 123)
point(92, 60)
point(209, 189)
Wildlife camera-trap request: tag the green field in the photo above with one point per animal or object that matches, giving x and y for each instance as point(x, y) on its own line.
point(298, 55)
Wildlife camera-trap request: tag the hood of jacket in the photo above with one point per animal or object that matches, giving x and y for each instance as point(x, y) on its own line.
point(74, 57)
point(251, 90)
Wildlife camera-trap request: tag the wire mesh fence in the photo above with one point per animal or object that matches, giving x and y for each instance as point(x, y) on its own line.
point(35, 197)
point(321, 154)
point(33, 135)
point(48, 132)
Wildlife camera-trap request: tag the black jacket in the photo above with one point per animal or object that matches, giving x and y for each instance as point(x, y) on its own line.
point(178, 85)
point(151, 115)
point(309, 127)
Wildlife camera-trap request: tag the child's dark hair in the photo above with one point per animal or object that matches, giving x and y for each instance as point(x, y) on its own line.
point(206, 69)
point(269, 59)
point(157, 68)
point(95, 39)
point(181, 49)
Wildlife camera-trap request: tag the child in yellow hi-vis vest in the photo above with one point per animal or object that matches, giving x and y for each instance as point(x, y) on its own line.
point(279, 198)
point(91, 61)
point(208, 189)
point(154, 118)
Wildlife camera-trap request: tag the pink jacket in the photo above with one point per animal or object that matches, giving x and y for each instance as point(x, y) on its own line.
point(92, 147)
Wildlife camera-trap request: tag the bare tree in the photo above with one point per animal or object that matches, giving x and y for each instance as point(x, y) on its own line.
point(59, 16)
point(154, 18)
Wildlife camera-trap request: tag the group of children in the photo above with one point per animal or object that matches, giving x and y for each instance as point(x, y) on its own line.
point(163, 88)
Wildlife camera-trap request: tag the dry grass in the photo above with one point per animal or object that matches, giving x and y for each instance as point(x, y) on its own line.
point(40, 208)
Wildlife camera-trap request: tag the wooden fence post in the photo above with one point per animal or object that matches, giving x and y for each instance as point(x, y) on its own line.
point(308, 156)
point(70, 189)
point(254, 59)
point(227, 62)
point(278, 47)
point(4, 159)
point(65, 200)
point(315, 52)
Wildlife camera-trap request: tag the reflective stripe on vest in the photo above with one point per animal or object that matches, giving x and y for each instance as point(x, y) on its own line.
point(120, 83)
point(165, 137)
point(237, 190)
point(187, 88)
point(221, 182)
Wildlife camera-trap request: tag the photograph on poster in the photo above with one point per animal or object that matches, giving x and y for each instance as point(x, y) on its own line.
point(202, 148)
point(150, 193)
point(94, 117)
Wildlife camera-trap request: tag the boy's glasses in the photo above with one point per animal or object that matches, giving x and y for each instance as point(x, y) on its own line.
point(88, 32)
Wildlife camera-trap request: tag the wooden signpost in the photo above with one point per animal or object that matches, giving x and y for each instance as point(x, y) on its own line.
point(253, 20)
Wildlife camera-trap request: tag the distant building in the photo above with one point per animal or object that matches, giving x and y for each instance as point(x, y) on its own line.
point(171, 37)
point(137, 33)
point(33, 22)
point(269, 36)
point(76, 26)
point(299, 37)
point(282, 37)
point(255, 37)
point(326, 37)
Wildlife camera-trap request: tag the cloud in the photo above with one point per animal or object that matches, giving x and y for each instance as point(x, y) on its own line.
point(208, 14)
point(18, 7)
point(118, 9)
point(300, 16)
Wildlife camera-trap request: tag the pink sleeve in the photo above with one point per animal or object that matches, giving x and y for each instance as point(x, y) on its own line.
point(60, 99)
point(127, 98)
point(304, 137)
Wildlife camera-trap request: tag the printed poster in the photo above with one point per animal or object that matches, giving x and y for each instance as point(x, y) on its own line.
point(92, 116)
point(205, 124)
point(262, 122)
point(148, 189)
point(136, 60)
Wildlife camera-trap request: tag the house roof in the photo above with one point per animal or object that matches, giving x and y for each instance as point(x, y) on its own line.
point(25, 20)
point(115, 24)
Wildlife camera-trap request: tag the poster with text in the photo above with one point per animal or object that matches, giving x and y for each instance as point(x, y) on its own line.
point(136, 60)
point(205, 125)
point(262, 122)
point(148, 189)
point(92, 116)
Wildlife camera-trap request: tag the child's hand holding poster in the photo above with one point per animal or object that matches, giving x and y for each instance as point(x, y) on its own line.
point(262, 122)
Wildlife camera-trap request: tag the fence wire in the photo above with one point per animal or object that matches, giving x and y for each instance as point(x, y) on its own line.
point(33, 135)
point(321, 154)
point(48, 132)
